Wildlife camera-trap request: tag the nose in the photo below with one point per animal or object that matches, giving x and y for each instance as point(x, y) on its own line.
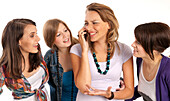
point(133, 44)
point(64, 35)
point(89, 27)
point(37, 38)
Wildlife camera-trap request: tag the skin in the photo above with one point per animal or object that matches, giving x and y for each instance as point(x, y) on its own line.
point(29, 44)
point(149, 66)
point(82, 75)
point(63, 42)
point(62, 39)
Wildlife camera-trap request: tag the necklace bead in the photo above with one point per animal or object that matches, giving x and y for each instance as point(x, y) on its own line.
point(98, 66)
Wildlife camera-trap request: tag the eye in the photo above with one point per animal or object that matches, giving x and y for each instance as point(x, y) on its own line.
point(58, 34)
point(95, 22)
point(65, 30)
point(31, 35)
point(85, 24)
point(138, 42)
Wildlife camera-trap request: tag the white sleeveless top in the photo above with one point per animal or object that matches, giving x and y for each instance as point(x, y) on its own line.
point(147, 89)
point(35, 80)
point(112, 78)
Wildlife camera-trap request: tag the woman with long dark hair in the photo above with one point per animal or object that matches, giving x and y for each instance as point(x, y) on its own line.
point(22, 68)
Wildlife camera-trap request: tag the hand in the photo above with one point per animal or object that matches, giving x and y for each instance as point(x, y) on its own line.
point(122, 85)
point(83, 42)
point(92, 91)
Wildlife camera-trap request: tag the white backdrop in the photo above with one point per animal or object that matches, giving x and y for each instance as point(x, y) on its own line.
point(129, 13)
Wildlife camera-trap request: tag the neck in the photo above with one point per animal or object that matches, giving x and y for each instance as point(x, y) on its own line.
point(63, 51)
point(25, 66)
point(100, 46)
point(152, 63)
point(25, 55)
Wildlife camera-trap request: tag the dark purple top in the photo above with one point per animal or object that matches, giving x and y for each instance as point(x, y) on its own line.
point(162, 80)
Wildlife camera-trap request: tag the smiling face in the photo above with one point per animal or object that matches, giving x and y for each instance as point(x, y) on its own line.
point(62, 38)
point(138, 50)
point(29, 41)
point(96, 26)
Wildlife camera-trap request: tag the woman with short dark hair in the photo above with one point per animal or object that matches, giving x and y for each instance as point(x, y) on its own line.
point(153, 68)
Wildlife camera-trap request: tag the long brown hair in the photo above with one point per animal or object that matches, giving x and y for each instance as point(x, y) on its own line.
point(107, 15)
point(153, 36)
point(50, 30)
point(12, 56)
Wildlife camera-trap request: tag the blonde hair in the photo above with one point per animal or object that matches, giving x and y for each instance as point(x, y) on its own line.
point(107, 15)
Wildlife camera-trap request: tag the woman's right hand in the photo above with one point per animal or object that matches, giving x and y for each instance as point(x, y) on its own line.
point(93, 92)
point(84, 44)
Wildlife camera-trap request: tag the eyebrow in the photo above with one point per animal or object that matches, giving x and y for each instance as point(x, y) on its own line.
point(92, 21)
point(64, 28)
point(32, 32)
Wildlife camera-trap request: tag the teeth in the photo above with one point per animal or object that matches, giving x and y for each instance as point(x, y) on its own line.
point(36, 44)
point(92, 33)
point(66, 40)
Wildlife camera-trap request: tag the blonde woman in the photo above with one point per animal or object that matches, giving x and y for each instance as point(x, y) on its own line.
point(99, 61)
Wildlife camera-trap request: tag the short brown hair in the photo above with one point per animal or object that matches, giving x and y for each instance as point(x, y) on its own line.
point(153, 36)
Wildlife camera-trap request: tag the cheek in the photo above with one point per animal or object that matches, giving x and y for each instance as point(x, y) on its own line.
point(103, 29)
point(57, 41)
point(68, 34)
point(25, 44)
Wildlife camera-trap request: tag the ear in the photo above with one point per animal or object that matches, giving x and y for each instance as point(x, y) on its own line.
point(155, 52)
point(19, 43)
point(108, 25)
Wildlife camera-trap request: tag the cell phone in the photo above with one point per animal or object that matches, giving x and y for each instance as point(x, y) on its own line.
point(85, 35)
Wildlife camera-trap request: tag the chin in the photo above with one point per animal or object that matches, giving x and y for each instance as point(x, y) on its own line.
point(92, 40)
point(135, 55)
point(69, 44)
point(33, 52)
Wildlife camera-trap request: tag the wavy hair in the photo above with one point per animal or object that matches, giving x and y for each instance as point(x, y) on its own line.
point(107, 15)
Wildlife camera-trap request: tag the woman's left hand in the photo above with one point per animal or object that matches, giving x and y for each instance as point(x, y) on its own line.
point(92, 91)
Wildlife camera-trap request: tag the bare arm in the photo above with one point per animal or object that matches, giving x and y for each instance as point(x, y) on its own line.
point(81, 69)
point(128, 80)
point(82, 74)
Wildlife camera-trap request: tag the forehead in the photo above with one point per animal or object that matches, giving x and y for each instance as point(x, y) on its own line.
point(92, 15)
point(30, 29)
point(61, 27)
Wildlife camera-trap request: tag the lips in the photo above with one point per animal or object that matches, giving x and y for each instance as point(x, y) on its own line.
point(36, 45)
point(65, 41)
point(92, 34)
point(135, 51)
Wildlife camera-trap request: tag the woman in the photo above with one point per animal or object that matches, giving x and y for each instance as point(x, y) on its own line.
point(153, 68)
point(22, 68)
point(58, 37)
point(99, 61)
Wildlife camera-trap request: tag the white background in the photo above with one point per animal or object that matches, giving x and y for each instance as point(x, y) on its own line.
point(129, 13)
